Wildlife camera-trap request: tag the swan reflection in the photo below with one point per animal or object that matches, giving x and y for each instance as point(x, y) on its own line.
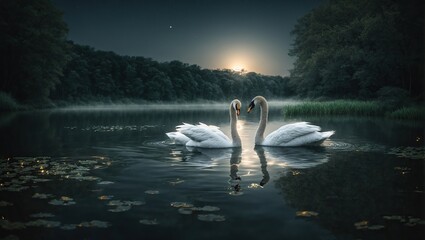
point(263, 161)
point(297, 157)
point(235, 179)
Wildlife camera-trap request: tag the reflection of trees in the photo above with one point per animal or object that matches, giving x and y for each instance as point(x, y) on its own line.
point(353, 187)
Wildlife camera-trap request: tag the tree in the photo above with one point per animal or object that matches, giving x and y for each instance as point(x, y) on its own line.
point(32, 48)
point(349, 48)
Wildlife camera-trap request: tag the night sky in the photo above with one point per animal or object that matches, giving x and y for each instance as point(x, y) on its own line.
point(254, 35)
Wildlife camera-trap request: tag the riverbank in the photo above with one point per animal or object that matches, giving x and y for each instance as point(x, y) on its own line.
point(355, 108)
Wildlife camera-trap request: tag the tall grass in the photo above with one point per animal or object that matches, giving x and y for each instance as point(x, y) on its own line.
point(8, 103)
point(354, 108)
point(410, 113)
point(335, 108)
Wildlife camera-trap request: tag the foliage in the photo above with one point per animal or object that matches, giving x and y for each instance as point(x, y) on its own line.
point(350, 49)
point(92, 75)
point(32, 49)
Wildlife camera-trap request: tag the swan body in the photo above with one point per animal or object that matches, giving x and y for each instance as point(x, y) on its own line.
point(209, 136)
point(178, 138)
point(290, 135)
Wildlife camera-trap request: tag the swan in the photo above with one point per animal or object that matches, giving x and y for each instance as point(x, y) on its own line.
point(209, 136)
point(290, 135)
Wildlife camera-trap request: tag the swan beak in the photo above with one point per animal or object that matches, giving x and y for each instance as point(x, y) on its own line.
point(238, 112)
point(251, 106)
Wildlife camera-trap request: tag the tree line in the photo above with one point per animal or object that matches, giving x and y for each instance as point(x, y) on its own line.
point(100, 75)
point(342, 49)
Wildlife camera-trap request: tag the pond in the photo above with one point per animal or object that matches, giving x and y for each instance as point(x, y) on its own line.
point(111, 173)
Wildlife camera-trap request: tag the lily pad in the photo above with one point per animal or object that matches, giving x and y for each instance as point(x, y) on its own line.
point(211, 218)
point(306, 214)
point(149, 222)
point(152, 192)
point(5, 204)
point(181, 205)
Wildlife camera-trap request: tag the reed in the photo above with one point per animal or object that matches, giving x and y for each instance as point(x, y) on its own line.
point(335, 108)
point(409, 113)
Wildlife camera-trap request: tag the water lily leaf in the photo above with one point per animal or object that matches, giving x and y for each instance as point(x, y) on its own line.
point(306, 214)
point(5, 204)
point(105, 197)
point(95, 223)
point(175, 182)
point(42, 195)
point(206, 209)
point(152, 192)
point(42, 215)
point(43, 223)
point(121, 208)
point(149, 222)
point(6, 224)
point(105, 183)
point(181, 205)
point(69, 226)
point(361, 225)
point(185, 211)
point(376, 227)
point(211, 218)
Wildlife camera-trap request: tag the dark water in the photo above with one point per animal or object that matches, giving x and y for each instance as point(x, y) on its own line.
point(112, 174)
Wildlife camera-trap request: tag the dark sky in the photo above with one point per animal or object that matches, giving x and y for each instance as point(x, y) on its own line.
point(233, 34)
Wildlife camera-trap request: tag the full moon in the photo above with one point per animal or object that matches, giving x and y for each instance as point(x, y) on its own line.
point(238, 68)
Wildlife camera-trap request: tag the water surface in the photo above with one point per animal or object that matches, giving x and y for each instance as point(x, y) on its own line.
point(111, 173)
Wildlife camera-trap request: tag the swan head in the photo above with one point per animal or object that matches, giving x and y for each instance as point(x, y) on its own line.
point(255, 101)
point(236, 104)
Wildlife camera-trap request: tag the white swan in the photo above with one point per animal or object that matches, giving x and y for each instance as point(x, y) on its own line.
point(290, 135)
point(208, 136)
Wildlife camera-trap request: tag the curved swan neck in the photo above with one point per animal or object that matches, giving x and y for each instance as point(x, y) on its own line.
point(236, 140)
point(259, 136)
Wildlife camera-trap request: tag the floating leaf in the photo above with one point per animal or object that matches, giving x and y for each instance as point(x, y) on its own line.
point(105, 183)
point(152, 192)
point(306, 214)
point(43, 223)
point(211, 218)
point(5, 204)
point(181, 205)
point(361, 225)
point(175, 182)
point(185, 211)
point(6, 224)
point(105, 197)
point(42, 215)
point(149, 222)
point(95, 223)
point(42, 195)
point(69, 226)
point(206, 209)
point(120, 208)
point(376, 227)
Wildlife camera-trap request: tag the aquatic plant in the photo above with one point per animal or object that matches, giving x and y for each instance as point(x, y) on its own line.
point(334, 108)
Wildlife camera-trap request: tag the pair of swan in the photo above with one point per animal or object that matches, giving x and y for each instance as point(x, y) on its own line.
point(208, 136)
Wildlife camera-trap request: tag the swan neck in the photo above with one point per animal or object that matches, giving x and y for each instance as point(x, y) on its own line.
point(259, 136)
point(236, 140)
